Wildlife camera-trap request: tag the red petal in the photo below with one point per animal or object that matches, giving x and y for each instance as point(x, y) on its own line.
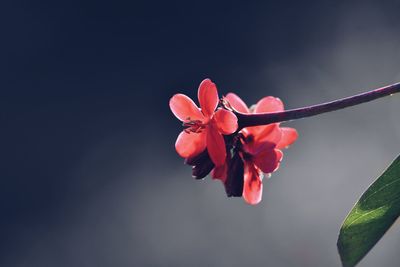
point(270, 133)
point(208, 97)
point(268, 160)
point(220, 172)
point(252, 187)
point(259, 131)
point(264, 137)
point(269, 104)
point(289, 135)
point(237, 103)
point(190, 144)
point(215, 146)
point(226, 121)
point(184, 108)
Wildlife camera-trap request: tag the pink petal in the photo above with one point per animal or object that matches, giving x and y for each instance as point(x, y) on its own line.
point(208, 97)
point(226, 121)
point(252, 187)
point(289, 136)
point(269, 104)
point(268, 160)
point(215, 146)
point(190, 144)
point(184, 108)
point(237, 103)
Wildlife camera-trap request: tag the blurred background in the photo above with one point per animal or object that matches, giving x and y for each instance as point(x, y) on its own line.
point(89, 174)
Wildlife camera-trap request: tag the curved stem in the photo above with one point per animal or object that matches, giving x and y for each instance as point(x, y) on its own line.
point(246, 120)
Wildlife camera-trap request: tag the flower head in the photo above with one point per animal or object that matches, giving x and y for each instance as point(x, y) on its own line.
point(204, 126)
point(260, 146)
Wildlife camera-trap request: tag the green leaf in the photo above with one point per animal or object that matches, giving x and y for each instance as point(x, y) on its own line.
point(371, 217)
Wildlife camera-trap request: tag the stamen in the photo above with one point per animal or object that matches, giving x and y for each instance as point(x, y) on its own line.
point(225, 103)
point(193, 126)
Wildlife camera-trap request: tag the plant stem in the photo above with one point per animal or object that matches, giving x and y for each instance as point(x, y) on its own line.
point(246, 120)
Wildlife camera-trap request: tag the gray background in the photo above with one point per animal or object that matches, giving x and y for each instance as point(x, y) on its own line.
point(89, 174)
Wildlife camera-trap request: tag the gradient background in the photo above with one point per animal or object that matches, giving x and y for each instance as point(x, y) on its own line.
point(89, 174)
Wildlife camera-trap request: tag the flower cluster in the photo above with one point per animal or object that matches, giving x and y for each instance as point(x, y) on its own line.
point(212, 142)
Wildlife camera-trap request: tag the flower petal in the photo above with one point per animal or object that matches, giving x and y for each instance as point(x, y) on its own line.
point(208, 97)
point(184, 108)
point(237, 103)
point(190, 144)
point(271, 133)
point(268, 160)
point(269, 104)
point(259, 131)
point(260, 138)
point(215, 146)
point(289, 136)
point(253, 187)
point(220, 172)
point(226, 121)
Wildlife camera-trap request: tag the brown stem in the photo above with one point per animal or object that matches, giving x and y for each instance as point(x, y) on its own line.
point(246, 120)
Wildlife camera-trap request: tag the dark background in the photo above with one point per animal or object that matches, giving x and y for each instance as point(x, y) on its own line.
point(89, 174)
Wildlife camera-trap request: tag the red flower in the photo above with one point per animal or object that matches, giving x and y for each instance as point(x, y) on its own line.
point(260, 146)
point(205, 126)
